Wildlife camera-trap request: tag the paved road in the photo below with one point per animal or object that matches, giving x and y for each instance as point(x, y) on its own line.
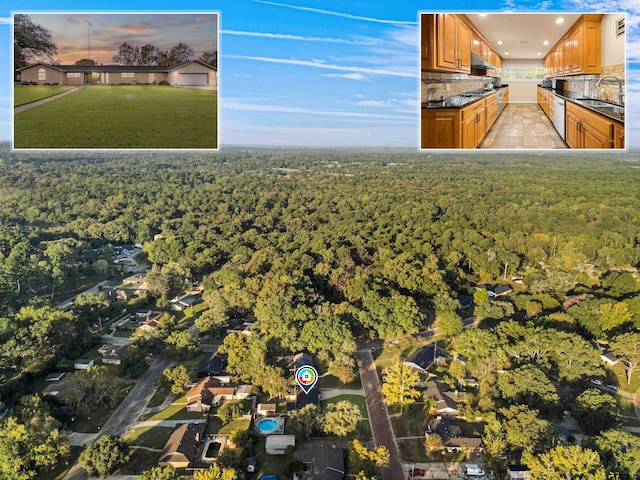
point(378, 417)
point(127, 413)
point(113, 340)
point(22, 108)
point(69, 301)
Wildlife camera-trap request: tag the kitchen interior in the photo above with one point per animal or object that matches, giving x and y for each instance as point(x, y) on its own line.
point(522, 81)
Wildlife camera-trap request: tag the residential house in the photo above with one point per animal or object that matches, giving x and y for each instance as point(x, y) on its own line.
point(299, 360)
point(181, 449)
point(609, 358)
point(112, 354)
point(518, 472)
point(243, 392)
point(498, 290)
point(303, 399)
point(83, 363)
point(277, 444)
point(182, 303)
point(468, 382)
point(452, 436)
point(207, 393)
point(239, 325)
point(137, 279)
point(54, 377)
point(266, 409)
point(446, 400)
point(424, 358)
point(216, 364)
point(321, 461)
point(186, 73)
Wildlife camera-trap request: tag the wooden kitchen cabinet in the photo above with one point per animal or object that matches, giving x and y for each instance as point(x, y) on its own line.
point(445, 43)
point(587, 129)
point(579, 51)
point(618, 135)
point(440, 128)
point(473, 120)
point(491, 110)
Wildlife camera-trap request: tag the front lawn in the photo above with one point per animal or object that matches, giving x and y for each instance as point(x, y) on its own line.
point(618, 376)
point(357, 399)
point(173, 412)
point(122, 116)
point(23, 94)
point(151, 437)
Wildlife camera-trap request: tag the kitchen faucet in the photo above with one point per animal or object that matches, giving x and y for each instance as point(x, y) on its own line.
point(620, 94)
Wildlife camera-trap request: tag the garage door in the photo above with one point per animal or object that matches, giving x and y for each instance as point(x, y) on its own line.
point(192, 79)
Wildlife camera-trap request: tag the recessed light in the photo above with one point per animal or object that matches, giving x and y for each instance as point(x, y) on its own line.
point(499, 42)
point(506, 53)
point(539, 53)
point(559, 20)
point(546, 42)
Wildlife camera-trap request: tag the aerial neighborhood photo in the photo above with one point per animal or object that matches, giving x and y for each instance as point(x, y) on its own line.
point(321, 298)
point(115, 81)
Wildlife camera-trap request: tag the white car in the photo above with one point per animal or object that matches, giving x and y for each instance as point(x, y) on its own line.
point(611, 386)
point(596, 381)
point(473, 470)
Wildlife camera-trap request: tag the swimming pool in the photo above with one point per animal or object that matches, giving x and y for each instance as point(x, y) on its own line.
point(267, 425)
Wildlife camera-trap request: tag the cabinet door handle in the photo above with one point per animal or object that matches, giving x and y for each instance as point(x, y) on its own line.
point(621, 137)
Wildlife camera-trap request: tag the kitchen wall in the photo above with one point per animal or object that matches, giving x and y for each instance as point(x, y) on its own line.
point(434, 85)
point(522, 91)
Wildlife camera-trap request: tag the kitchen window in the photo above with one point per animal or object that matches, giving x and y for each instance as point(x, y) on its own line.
point(522, 72)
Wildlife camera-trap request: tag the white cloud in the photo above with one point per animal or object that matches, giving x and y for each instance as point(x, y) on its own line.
point(337, 14)
point(283, 36)
point(241, 104)
point(407, 73)
point(373, 103)
point(347, 76)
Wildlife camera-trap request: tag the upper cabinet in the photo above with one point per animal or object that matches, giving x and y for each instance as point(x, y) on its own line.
point(579, 50)
point(447, 41)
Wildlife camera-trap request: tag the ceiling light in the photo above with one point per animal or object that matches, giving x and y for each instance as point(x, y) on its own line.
point(559, 20)
point(539, 53)
point(546, 42)
point(499, 42)
point(506, 53)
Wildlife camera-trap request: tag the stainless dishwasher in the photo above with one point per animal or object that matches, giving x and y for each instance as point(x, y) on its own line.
point(558, 115)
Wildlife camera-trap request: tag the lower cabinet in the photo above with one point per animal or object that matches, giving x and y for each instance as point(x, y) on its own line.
point(587, 129)
point(473, 124)
point(440, 128)
point(491, 110)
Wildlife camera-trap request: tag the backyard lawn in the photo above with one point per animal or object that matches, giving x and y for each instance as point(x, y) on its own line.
point(122, 116)
point(23, 94)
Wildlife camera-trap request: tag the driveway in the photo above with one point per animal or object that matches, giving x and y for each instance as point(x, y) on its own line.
point(378, 416)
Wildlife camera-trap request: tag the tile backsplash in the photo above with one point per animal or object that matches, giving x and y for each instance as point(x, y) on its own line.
point(434, 85)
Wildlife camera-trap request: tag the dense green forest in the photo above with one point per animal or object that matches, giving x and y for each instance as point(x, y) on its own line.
point(327, 248)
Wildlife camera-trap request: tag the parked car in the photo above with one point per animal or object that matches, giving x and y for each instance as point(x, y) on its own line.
point(418, 472)
point(596, 381)
point(611, 386)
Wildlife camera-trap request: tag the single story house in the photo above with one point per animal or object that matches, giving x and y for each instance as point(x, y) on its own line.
point(265, 409)
point(303, 399)
point(244, 391)
point(277, 444)
point(189, 73)
point(239, 325)
point(182, 447)
point(609, 358)
point(181, 303)
point(214, 365)
point(446, 401)
point(201, 397)
point(300, 360)
point(112, 354)
point(519, 472)
point(452, 436)
point(425, 357)
point(321, 461)
point(83, 363)
point(54, 377)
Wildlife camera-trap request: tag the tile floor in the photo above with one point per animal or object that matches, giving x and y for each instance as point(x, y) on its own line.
point(522, 125)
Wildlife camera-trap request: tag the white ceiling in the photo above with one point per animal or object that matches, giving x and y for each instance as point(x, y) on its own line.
point(513, 28)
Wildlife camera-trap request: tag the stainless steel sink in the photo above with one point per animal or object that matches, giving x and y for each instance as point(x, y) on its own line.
point(593, 102)
point(611, 109)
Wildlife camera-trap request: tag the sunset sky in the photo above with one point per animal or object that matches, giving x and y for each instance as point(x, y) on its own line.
point(303, 72)
point(108, 31)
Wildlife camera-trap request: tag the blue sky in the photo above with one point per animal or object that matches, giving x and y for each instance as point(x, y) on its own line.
point(303, 72)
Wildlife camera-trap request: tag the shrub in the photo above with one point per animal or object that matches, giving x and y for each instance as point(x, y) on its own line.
point(163, 82)
point(33, 83)
point(24, 82)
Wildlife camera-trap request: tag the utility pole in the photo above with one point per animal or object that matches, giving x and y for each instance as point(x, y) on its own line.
point(89, 36)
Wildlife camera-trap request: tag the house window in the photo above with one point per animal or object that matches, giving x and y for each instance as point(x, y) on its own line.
point(127, 74)
point(42, 74)
point(73, 74)
point(522, 72)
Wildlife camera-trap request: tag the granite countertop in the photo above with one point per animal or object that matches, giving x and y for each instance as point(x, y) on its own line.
point(578, 100)
point(462, 100)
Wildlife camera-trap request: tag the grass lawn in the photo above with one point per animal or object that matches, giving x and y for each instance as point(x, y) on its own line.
point(214, 424)
point(23, 94)
point(329, 381)
point(89, 423)
point(173, 412)
point(267, 464)
point(357, 399)
point(140, 461)
point(412, 423)
point(628, 411)
point(122, 116)
point(152, 437)
point(618, 376)
point(159, 396)
point(239, 424)
point(413, 451)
